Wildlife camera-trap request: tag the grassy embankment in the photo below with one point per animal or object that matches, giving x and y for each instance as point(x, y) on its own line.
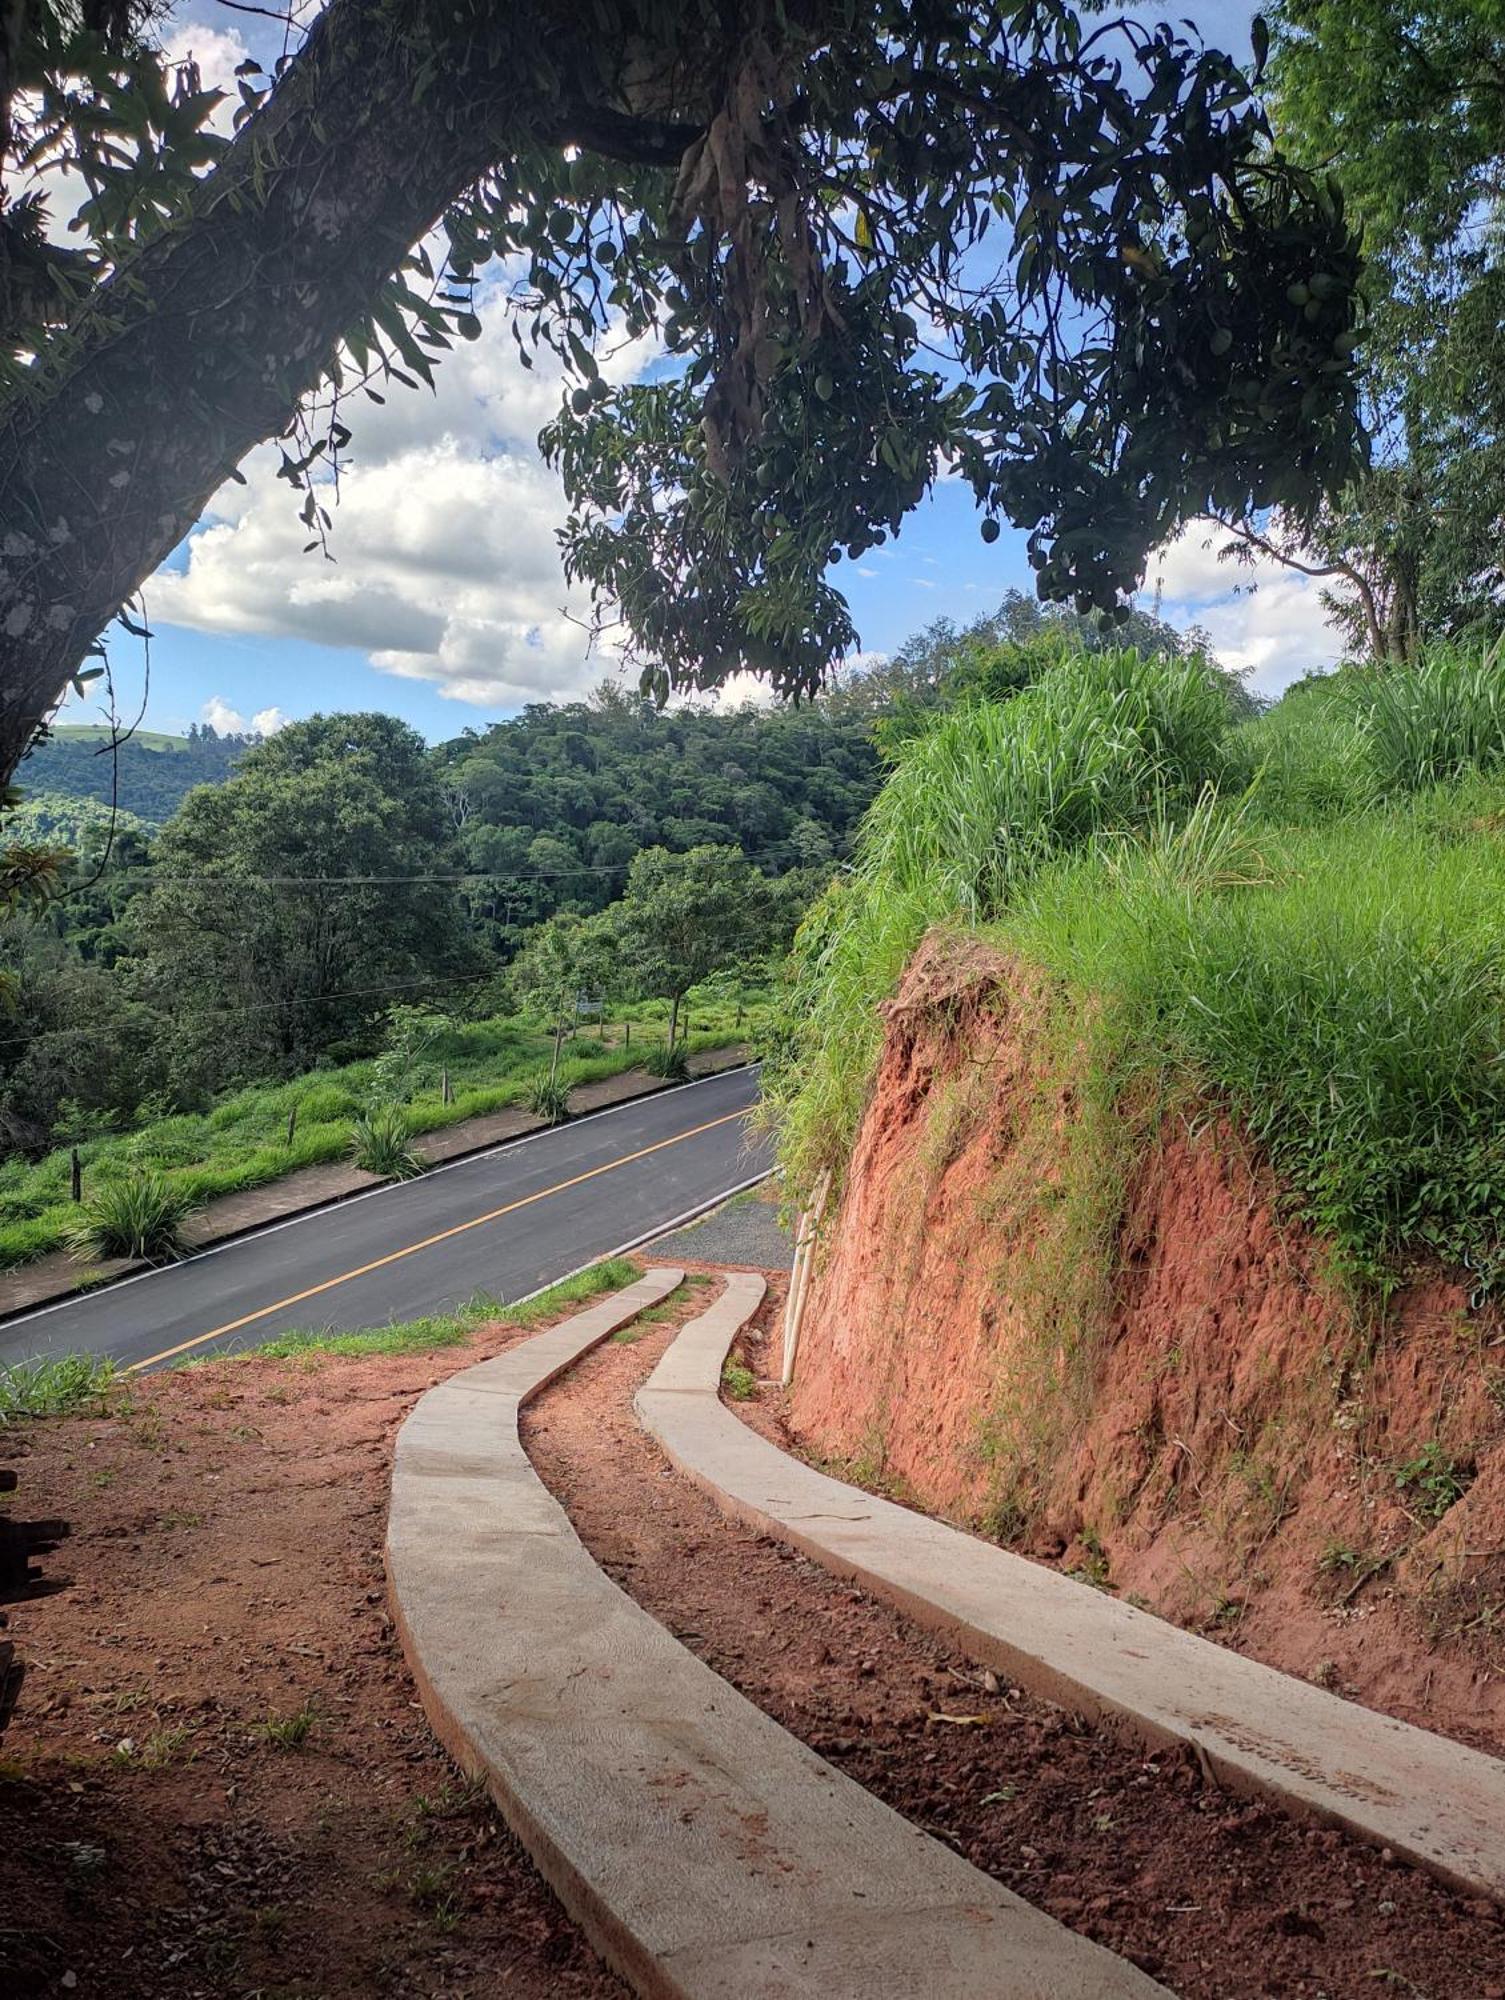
point(1299, 916)
point(242, 1142)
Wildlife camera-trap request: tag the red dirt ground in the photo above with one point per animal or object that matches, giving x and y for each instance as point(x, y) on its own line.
point(1219, 1898)
point(156, 1840)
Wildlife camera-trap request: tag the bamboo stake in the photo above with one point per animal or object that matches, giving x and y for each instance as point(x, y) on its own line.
point(799, 1280)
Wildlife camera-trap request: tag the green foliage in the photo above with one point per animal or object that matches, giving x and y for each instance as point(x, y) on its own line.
point(297, 897)
point(1404, 102)
point(1434, 1480)
point(1100, 743)
point(1444, 718)
point(557, 800)
point(54, 1387)
point(672, 1063)
point(139, 1214)
point(151, 775)
point(687, 917)
point(549, 1098)
point(610, 1275)
point(1340, 992)
point(381, 1143)
point(738, 1382)
point(1318, 946)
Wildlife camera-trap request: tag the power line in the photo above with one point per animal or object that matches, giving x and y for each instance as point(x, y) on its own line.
point(459, 876)
point(306, 1000)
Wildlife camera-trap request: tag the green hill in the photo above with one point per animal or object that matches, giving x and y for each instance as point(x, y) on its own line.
point(149, 773)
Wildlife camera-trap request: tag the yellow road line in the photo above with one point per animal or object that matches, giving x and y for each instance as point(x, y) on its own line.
point(459, 1229)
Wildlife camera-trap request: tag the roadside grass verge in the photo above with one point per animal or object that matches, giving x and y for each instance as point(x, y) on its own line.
point(436, 1330)
point(52, 1388)
point(242, 1141)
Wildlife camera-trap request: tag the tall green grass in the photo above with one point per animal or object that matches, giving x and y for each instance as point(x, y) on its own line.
point(1340, 987)
point(53, 1387)
point(1303, 914)
point(1100, 743)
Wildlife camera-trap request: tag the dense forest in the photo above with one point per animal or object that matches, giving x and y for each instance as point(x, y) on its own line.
point(145, 774)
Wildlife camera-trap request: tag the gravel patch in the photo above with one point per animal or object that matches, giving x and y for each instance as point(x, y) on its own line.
point(744, 1231)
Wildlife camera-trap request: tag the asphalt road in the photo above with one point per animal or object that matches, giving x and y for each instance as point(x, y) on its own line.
point(505, 1222)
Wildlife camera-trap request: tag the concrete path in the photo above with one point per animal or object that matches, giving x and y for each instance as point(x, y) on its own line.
point(1260, 1731)
point(706, 1852)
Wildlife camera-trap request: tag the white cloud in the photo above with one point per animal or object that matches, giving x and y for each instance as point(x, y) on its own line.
point(445, 568)
point(229, 721)
point(1263, 616)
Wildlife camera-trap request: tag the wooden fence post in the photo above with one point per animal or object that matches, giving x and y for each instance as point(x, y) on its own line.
point(76, 1174)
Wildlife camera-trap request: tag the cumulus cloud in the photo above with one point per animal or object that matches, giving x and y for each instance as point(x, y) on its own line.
point(445, 566)
point(228, 721)
point(1264, 617)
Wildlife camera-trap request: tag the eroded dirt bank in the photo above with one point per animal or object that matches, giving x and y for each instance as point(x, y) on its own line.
point(1124, 1361)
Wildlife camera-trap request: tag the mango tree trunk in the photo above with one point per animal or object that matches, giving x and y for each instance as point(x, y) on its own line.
point(206, 340)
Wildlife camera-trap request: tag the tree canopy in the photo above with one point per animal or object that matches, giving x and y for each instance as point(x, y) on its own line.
point(1406, 103)
point(875, 236)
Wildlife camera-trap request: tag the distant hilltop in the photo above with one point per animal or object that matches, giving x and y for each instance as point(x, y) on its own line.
point(148, 773)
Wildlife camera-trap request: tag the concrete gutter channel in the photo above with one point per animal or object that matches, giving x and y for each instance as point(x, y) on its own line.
point(707, 1853)
point(1259, 1731)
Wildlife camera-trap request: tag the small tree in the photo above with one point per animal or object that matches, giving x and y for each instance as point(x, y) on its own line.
point(685, 916)
point(552, 967)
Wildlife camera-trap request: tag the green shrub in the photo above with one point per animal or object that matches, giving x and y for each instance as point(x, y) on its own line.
point(140, 1214)
point(672, 1064)
point(549, 1098)
point(381, 1143)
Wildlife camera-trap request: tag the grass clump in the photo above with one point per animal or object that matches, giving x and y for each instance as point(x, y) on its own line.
point(739, 1383)
point(288, 1732)
point(452, 1329)
point(53, 1387)
point(549, 1098)
point(381, 1142)
point(139, 1215)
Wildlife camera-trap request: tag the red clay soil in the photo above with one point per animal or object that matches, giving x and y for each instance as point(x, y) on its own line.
point(1220, 1899)
point(1236, 1452)
point(164, 1833)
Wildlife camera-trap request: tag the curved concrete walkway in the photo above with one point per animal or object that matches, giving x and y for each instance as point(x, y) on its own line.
point(1259, 1730)
point(705, 1851)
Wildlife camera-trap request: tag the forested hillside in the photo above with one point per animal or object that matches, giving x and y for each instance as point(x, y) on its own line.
point(146, 774)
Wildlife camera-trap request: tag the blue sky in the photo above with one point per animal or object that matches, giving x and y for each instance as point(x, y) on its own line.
point(444, 604)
